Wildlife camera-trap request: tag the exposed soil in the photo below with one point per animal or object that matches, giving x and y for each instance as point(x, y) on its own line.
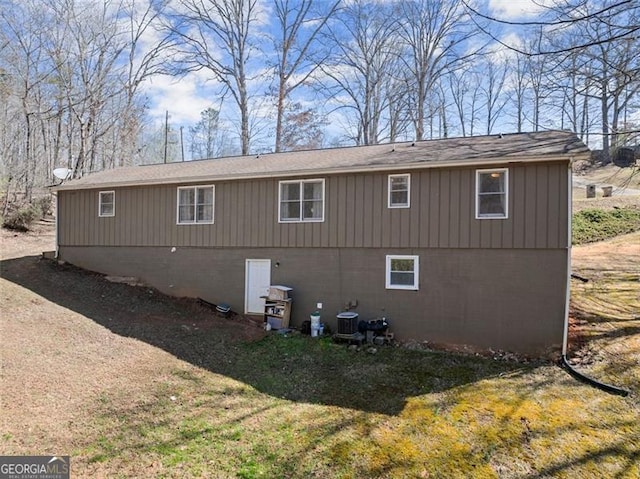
point(605, 313)
point(581, 203)
point(40, 238)
point(619, 254)
point(44, 309)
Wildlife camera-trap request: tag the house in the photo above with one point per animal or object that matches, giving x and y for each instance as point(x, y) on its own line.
point(457, 241)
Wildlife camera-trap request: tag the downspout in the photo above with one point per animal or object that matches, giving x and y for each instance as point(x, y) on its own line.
point(565, 335)
point(567, 300)
point(57, 253)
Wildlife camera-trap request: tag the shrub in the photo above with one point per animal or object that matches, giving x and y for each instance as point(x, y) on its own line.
point(596, 225)
point(43, 204)
point(21, 218)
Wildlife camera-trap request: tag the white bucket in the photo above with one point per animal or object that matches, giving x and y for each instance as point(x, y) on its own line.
point(315, 325)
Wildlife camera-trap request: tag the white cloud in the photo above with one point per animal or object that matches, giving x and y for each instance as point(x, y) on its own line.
point(513, 40)
point(184, 98)
point(504, 51)
point(513, 9)
point(264, 13)
point(378, 2)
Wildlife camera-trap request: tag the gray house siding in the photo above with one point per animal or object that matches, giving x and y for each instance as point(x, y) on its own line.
point(500, 298)
point(442, 214)
point(497, 283)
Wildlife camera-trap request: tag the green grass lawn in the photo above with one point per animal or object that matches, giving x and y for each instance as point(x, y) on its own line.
point(142, 385)
point(297, 407)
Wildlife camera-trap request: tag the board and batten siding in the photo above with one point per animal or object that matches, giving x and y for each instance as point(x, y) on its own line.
point(442, 214)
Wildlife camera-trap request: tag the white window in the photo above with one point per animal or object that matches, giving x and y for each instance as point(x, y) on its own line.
point(195, 204)
point(301, 201)
point(492, 193)
point(402, 272)
point(399, 191)
point(107, 203)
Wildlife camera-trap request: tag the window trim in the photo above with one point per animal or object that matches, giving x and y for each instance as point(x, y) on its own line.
point(100, 203)
point(416, 272)
point(408, 203)
point(301, 183)
point(506, 194)
point(195, 205)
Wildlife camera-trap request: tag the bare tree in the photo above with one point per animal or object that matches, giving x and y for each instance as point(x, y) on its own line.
point(298, 29)
point(474, 103)
point(398, 118)
point(459, 87)
point(519, 86)
point(70, 72)
point(144, 60)
point(570, 92)
point(537, 76)
point(594, 50)
point(362, 40)
point(208, 138)
point(562, 14)
point(464, 87)
point(618, 70)
point(598, 82)
point(433, 33)
point(86, 59)
point(494, 75)
point(25, 75)
point(216, 35)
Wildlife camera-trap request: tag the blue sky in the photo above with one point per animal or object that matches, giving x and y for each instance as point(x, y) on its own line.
point(185, 97)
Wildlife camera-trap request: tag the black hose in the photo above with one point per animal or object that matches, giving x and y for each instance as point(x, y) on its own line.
point(605, 387)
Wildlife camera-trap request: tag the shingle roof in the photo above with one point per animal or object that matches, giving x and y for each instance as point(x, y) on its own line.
point(477, 150)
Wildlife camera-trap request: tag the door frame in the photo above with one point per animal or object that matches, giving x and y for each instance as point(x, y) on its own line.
point(247, 263)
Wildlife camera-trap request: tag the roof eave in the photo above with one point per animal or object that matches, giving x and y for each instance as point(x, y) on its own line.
point(570, 157)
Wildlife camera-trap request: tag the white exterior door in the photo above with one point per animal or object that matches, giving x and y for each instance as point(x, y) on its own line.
point(257, 282)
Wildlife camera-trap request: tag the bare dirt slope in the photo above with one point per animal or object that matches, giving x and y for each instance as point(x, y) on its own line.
point(606, 309)
point(60, 354)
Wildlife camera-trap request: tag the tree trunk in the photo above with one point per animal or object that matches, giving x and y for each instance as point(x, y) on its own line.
point(419, 119)
point(280, 112)
point(604, 107)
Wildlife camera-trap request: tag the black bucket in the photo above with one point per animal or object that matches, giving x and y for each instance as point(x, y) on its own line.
point(306, 327)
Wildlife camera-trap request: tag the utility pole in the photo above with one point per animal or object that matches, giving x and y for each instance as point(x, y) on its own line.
point(181, 143)
point(166, 134)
